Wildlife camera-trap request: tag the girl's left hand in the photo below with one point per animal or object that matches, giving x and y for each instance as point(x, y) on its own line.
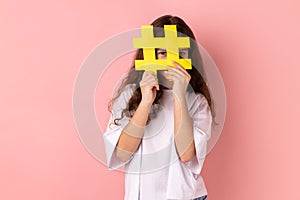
point(180, 78)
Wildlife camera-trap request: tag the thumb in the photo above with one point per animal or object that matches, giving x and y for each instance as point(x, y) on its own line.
point(157, 87)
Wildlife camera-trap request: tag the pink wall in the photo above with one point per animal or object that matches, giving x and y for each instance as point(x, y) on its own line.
point(43, 43)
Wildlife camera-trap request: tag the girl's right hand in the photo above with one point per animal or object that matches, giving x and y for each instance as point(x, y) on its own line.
point(149, 85)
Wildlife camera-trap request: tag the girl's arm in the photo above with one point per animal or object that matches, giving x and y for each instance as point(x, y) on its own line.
point(183, 125)
point(183, 130)
point(133, 132)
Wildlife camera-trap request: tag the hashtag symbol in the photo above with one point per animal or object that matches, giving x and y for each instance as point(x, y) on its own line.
point(170, 42)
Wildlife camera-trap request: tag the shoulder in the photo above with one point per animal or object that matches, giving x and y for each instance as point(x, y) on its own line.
point(130, 86)
point(198, 104)
point(128, 90)
point(196, 99)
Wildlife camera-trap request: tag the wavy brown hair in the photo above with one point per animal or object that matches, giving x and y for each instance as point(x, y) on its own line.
point(197, 83)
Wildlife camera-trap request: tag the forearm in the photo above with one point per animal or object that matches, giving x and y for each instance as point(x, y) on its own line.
point(132, 133)
point(183, 130)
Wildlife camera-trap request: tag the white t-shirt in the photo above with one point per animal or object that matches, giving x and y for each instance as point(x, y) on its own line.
point(154, 171)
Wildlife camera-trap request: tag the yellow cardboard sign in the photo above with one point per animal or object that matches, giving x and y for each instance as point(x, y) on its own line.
point(170, 42)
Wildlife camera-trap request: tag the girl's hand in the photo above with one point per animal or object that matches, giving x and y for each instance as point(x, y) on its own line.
point(180, 78)
point(149, 85)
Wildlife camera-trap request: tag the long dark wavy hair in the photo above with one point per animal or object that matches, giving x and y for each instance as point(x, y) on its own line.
point(197, 83)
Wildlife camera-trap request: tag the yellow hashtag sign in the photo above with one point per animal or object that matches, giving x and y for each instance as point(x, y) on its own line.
point(170, 42)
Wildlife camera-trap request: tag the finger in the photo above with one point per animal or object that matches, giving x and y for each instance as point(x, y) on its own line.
point(149, 73)
point(173, 75)
point(147, 83)
point(154, 81)
point(154, 75)
point(180, 73)
point(168, 75)
point(181, 68)
point(151, 85)
point(173, 69)
point(150, 81)
point(146, 75)
point(176, 77)
point(149, 78)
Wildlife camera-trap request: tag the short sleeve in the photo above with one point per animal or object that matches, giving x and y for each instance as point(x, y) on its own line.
point(202, 120)
point(112, 134)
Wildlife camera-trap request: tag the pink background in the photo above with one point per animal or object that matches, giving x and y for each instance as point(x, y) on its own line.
point(254, 44)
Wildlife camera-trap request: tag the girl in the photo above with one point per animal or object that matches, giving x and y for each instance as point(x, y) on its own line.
point(160, 125)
